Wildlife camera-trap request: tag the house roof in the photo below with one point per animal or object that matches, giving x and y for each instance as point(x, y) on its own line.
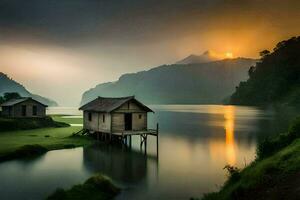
point(109, 104)
point(13, 102)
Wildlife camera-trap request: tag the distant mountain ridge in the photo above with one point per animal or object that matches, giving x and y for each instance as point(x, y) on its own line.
point(207, 83)
point(196, 59)
point(9, 85)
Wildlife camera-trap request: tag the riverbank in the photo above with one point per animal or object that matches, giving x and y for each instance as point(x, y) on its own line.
point(27, 143)
point(275, 174)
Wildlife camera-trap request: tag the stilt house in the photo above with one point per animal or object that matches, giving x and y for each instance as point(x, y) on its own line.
point(115, 115)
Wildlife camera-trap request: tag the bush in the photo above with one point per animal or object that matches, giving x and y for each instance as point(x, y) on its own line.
point(234, 173)
point(97, 188)
point(11, 124)
point(270, 146)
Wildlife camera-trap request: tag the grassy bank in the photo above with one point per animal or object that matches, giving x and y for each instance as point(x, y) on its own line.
point(95, 188)
point(275, 174)
point(17, 144)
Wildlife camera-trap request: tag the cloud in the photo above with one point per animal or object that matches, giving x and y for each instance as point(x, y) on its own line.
point(80, 43)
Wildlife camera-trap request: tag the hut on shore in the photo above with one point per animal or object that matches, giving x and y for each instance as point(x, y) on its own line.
point(115, 115)
point(23, 108)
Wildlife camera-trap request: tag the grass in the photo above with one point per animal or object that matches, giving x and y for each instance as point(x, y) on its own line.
point(272, 174)
point(261, 174)
point(67, 119)
point(95, 188)
point(13, 142)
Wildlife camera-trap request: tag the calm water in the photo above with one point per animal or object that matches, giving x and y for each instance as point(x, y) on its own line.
point(196, 142)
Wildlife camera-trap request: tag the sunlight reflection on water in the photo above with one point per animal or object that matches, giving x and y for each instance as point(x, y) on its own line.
point(196, 142)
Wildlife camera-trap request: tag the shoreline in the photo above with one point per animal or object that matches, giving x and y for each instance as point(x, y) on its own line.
point(275, 174)
point(29, 143)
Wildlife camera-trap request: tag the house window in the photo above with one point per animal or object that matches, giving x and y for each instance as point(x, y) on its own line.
point(90, 116)
point(140, 116)
point(103, 118)
point(34, 110)
point(24, 110)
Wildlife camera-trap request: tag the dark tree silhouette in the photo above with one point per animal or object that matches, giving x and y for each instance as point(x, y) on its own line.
point(264, 53)
point(11, 95)
point(275, 79)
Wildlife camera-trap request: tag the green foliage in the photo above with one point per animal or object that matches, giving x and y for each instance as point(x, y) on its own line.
point(12, 124)
point(95, 188)
point(270, 146)
point(1, 99)
point(8, 96)
point(11, 95)
point(261, 176)
point(274, 78)
point(234, 173)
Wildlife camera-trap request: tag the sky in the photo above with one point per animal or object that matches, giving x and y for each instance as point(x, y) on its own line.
point(61, 48)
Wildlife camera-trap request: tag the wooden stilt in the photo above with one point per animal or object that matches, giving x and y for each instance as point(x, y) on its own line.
point(157, 127)
point(145, 140)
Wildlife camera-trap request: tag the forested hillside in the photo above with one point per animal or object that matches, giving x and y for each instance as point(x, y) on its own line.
point(275, 79)
point(207, 83)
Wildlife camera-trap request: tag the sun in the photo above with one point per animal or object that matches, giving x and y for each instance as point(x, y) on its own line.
point(228, 55)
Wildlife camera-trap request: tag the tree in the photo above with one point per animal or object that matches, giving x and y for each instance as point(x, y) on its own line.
point(1, 99)
point(11, 95)
point(251, 70)
point(264, 53)
point(275, 79)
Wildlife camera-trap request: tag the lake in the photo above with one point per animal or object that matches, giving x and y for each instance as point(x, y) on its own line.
point(195, 143)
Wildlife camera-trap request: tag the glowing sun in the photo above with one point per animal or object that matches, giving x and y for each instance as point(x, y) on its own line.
point(228, 55)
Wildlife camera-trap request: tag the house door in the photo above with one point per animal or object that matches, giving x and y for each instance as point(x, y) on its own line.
point(128, 121)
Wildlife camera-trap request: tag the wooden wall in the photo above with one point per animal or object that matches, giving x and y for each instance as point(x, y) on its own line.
point(104, 126)
point(115, 121)
point(139, 123)
point(97, 124)
point(118, 120)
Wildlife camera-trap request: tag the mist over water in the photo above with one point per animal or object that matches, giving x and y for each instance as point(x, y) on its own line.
point(195, 143)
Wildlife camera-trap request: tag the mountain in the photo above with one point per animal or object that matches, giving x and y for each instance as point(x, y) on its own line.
point(9, 85)
point(178, 83)
point(275, 79)
point(207, 56)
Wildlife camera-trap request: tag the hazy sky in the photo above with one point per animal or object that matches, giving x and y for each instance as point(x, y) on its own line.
point(60, 48)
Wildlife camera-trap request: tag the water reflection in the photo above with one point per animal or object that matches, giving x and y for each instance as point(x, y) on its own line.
point(121, 164)
point(196, 142)
point(229, 132)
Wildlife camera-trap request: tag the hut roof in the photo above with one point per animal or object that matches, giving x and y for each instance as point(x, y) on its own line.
point(13, 102)
point(109, 104)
